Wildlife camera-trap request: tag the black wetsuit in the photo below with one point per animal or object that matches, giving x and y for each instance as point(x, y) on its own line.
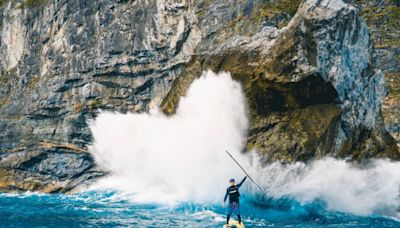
point(234, 200)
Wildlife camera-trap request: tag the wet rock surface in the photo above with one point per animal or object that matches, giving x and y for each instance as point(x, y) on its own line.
point(312, 81)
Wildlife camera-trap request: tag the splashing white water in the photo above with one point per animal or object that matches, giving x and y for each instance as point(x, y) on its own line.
point(340, 184)
point(182, 158)
point(169, 159)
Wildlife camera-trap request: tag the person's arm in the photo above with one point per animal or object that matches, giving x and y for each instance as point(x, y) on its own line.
point(241, 182)
point(226, 195)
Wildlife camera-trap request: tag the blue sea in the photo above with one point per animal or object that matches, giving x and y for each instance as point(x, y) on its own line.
point(110, 209)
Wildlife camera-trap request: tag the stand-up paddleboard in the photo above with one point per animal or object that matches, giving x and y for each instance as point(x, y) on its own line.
point(234, 224)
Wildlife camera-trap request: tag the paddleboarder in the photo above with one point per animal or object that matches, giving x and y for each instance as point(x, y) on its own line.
point(234, 199)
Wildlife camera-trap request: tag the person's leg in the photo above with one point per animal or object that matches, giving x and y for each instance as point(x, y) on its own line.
point(228, 214)
point(238, 214)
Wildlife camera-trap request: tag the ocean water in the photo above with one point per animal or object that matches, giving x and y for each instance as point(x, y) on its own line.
point(111, 209)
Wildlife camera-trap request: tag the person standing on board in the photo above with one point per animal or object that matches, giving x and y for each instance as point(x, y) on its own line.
point(234, 202)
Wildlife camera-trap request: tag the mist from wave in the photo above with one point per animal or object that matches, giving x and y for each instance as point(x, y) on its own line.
point(176, 158)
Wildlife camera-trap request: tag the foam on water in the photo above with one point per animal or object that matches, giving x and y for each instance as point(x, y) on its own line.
point(155, 158)
point(371, 189)
point(109, 209)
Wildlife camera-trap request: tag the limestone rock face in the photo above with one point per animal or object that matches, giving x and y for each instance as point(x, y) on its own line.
point(313, 86)
point(383, 20)
point(63, 61)
point(311, 79)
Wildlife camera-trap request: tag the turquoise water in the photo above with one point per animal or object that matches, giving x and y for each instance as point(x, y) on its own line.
point(109, 209)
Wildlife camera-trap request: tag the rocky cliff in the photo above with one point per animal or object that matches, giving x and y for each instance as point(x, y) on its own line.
point(312, 80)
point(383, 19)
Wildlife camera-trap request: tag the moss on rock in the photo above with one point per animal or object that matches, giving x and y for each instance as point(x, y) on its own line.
point(31, 4)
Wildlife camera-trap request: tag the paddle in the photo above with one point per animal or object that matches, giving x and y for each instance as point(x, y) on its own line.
point(244, 170)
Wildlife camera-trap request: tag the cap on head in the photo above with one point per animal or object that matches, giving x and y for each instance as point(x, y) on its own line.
point(232, 180)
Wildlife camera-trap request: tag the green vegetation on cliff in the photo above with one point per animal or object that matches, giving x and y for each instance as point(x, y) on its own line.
point(252, 16)
point(391, 109)
point(32, 3)
point(27, 3)
point(6, 78)
point(385, 20)
point(280, 11)
point(283, 6)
